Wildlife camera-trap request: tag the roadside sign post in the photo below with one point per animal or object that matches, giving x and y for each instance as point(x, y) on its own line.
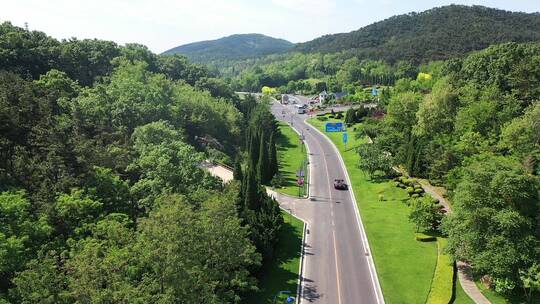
point(345, 139)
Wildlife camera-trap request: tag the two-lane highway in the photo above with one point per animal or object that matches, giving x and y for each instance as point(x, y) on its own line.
point(338, 266)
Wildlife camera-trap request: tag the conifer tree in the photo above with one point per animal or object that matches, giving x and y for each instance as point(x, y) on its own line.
point(237, 174)
point(262, 163)
point(272, 156)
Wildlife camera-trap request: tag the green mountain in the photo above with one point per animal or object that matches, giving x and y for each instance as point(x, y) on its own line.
point(240, 46)
point(438, 33)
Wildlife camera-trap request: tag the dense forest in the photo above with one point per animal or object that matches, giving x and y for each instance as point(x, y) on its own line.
point(435, 34)
point(102, 193)
point(234, 47)
point(475, 129)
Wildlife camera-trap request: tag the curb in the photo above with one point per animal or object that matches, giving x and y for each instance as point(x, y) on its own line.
point(371, 263)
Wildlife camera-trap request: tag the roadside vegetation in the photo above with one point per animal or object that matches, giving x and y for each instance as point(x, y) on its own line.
point(281, 274)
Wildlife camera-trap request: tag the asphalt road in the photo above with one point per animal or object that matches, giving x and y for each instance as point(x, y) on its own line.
point(337, 265)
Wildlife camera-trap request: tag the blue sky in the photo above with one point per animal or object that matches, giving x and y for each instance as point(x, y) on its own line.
point(163, 24)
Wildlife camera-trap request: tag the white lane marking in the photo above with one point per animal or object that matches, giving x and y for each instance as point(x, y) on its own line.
point(337, 266)
point(369, 257)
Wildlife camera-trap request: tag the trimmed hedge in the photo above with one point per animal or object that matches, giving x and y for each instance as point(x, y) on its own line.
point(443, 280)
point(424, 237)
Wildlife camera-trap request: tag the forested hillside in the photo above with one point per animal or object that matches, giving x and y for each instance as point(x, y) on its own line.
point(102, 194)
point(233, 47)
point(435, 34)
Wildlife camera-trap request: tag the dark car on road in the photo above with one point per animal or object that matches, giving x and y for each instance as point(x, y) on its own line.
point(340, 184)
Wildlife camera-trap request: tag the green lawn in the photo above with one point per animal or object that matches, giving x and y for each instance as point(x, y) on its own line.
point(291, 155)
point(282, 272)
point(405, 267)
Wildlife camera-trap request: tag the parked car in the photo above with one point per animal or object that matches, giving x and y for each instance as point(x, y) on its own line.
point(340, 184)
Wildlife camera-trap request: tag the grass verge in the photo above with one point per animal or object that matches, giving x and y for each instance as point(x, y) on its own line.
point(442, 284)
point(405, 266)
point(281, 273)
point(292, 157)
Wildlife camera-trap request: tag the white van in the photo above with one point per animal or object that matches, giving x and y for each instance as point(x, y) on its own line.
point(300, 109)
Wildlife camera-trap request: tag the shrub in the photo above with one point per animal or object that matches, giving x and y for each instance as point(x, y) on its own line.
point(331, 116)
point(419, 191)
point(381, 197)
point(434, 200)
point(410, 190)
point(397, 184)
point(417, 186)
point(424, 237)
point(322, 118)
point(424, 214)
point(441, 286)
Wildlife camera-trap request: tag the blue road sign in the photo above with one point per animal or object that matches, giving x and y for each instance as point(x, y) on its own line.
point(334, 127)
point(290, 299)
point(345, 138)
point(300, 173)
point(374, 92)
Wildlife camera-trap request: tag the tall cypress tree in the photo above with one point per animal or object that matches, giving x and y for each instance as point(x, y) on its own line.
point(273, 167)
point(253, 149)
point(237, 174)
point(262, 163)
point(251, 191)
